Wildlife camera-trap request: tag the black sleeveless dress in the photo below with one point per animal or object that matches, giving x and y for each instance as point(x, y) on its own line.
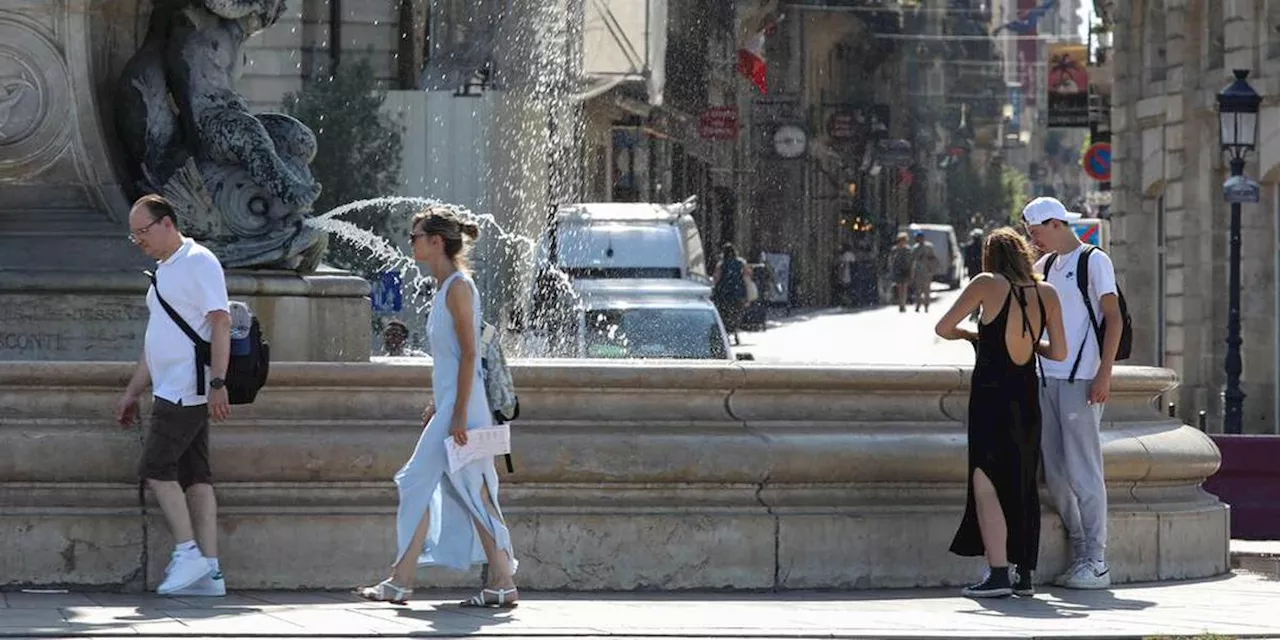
point(1004, 436)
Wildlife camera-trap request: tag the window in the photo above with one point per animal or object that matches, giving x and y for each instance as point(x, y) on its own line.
point(658, 332)
point(1215, 35)
point(1271, 30)
point(1154, 44)
point(461, 37)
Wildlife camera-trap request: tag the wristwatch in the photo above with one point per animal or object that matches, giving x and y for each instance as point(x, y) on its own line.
point(217, 383)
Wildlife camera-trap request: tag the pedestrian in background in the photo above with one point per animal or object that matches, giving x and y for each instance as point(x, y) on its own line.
point(924, 262)
point(1002, 504)
point(729, 289)
point(900, 270)
point(845, 262)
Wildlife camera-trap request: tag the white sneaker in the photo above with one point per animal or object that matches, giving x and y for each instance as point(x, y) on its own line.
point(1061, 579)
point(1090, 575)
point(184, 570)
point(212, 586)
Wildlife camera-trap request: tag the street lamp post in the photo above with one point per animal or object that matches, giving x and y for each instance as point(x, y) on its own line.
point(1238, 107)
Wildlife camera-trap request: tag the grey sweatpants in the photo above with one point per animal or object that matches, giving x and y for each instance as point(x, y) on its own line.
point(1072, 451)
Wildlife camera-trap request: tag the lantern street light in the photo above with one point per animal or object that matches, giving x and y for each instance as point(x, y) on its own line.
point(1238, 107)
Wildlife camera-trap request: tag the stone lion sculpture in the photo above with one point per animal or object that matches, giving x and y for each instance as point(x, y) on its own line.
point(241, 182)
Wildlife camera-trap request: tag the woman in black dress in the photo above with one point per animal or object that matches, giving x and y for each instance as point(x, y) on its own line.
point(1002, 510)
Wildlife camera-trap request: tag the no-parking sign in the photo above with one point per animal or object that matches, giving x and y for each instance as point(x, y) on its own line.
point(1097, 161)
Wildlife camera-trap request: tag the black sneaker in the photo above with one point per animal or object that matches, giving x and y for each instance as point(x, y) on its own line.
point(995, 585)
point(1022, 583)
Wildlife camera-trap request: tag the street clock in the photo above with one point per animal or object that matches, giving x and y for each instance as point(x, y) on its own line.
point(790, 141)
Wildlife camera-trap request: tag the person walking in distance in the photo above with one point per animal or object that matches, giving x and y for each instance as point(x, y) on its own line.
point(924, 262)
point(900, 270)
point(729, 289)
point(175, 456)
point(1074, 391)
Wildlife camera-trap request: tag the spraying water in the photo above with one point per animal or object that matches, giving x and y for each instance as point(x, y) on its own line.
point(513, 248)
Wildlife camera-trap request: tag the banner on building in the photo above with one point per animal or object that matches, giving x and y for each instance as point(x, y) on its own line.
point(1026, 27)
point(1068, 90)
point(1014, 126)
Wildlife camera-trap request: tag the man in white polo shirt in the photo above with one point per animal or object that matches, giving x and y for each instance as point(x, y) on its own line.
point(1075, 390)
point(187, 392)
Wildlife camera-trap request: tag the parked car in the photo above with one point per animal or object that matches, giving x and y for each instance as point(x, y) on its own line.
point(641, 318)
point(950, 259)
point(607, 241)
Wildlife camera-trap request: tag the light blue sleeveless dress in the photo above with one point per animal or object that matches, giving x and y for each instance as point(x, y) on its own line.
point(424, 483)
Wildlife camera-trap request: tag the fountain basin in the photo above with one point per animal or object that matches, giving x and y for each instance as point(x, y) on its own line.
point(628, 476)
point(95, 316)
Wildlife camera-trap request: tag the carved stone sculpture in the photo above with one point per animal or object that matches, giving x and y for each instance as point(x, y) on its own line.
point(241, 182)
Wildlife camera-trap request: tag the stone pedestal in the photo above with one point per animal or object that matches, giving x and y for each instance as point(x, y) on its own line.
point(628, 476)
point(79, 315)
point(61, 204)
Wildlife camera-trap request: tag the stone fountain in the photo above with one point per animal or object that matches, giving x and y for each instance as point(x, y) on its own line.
point(628, 475)
point(92, 116)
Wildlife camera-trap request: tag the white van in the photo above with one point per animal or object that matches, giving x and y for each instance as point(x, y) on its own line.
point(945, 246)
point(625, 240)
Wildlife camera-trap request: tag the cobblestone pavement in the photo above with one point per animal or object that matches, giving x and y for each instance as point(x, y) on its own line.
point(1236, 605)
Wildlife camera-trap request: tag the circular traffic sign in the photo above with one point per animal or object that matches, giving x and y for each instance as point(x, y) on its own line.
point(1097, 161)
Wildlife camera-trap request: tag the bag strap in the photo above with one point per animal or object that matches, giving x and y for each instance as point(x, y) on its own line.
point(1082, 281)
point(1049, 263)
point(201, 346)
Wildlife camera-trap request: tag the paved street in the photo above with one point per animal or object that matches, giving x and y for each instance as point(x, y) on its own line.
point(1239, 605)
point(879, 335)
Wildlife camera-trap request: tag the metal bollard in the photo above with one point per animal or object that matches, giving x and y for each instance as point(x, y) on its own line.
point(1173, 409)
point(1202, 420)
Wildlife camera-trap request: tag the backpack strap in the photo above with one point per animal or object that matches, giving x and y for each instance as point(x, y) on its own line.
point(200, 344)
point(1082, 281)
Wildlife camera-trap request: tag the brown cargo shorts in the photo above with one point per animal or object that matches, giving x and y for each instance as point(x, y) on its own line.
point(177, 444)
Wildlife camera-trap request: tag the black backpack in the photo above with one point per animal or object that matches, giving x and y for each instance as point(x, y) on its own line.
point(249, 361)
point(1099, 329)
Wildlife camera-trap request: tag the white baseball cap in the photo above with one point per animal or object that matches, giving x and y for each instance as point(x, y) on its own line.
point(1042, 210)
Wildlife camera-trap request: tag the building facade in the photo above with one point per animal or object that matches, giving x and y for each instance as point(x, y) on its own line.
point(1170, 223)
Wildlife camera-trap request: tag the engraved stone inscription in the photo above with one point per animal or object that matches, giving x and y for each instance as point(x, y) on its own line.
point(72, 326)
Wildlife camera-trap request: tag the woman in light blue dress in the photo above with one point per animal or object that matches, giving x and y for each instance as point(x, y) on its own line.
point(450, 519)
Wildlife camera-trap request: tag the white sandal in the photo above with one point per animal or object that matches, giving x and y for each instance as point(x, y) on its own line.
point(501, 599)
point(386, 591)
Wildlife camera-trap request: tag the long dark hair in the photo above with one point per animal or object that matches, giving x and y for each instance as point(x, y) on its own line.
point(1007, 253)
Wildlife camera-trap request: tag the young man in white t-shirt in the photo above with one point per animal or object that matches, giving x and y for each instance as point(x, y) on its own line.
point(1075, 390)
point(175, 458)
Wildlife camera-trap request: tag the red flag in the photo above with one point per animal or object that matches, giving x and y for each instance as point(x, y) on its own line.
point(751, 62)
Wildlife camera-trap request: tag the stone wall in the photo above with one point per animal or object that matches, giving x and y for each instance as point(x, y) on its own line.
point(280, 59)
point(1171, 59)
point(628, 476)
point(95, 316)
